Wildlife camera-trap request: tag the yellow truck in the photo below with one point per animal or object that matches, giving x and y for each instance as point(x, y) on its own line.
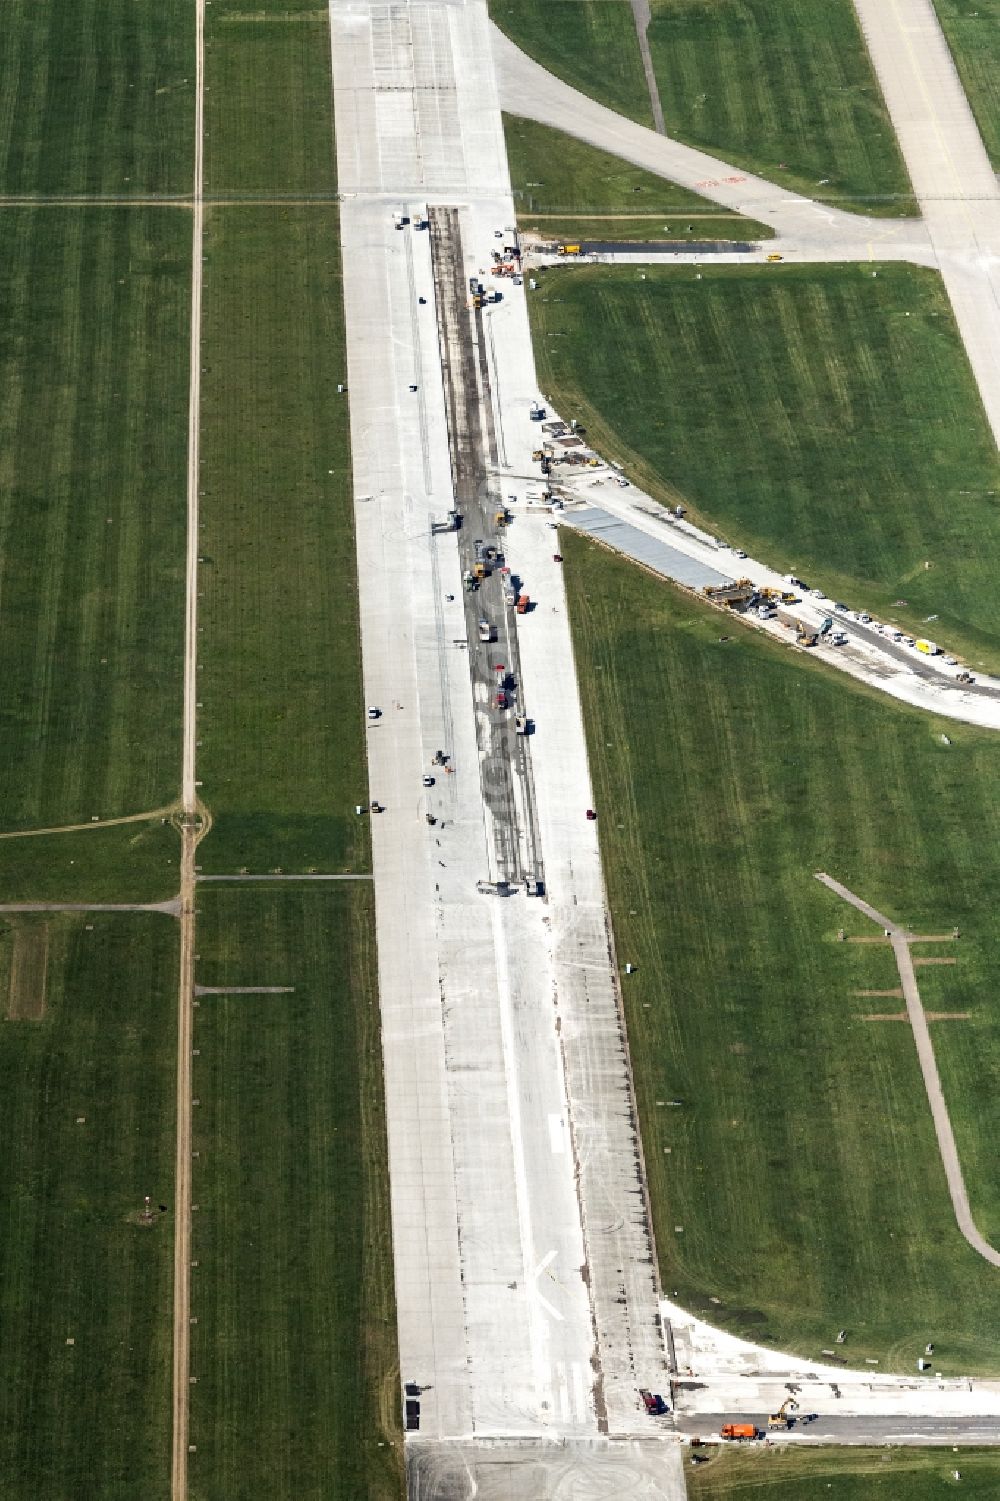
point(567, 250)
point(928, 648)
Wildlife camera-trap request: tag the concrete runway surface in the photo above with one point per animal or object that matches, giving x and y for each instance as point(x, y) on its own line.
point(526, 1288)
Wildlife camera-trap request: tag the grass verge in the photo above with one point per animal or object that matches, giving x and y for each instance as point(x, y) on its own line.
point(99, 97)
point(793, 1168)
point(268, 110)
point(93, 424)
point(86, 1118)
point(787, 91)
point(788, 1474)
point(972, 28)
point(560, 183)
point(133, 862)
point(282, 755)
point(590, 44)
point(295, 1347)
point(825, 420)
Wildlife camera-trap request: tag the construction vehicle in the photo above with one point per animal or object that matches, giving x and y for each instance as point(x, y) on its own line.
point(523, 604)
point(775, 257)
point(653, 1403)
point(928, 648)
point(479, 571)
point(739, 1432)
point(827, 626)
point(739, 593)
point(486, 631)
point(781, 1419)
point(501, 518)
point(567, 250)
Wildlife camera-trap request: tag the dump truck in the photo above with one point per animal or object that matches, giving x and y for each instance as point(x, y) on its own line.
point(928, 648)
point(567, 250)
point(487, 632)
point(523, 604)
point(739, 1432)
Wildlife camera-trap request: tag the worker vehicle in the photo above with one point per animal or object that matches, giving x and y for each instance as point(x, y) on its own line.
point(537, 413)
point(781, 1418)
point(470, 581)
point(521, 724)
point(557, 557)
point(374, 713)
point(428, 780)
point(928, 648)
point(653, 1403)
point(487, 632)
point(738, 1432)
point(591, 816)
point(401, 221)
point(501, 698)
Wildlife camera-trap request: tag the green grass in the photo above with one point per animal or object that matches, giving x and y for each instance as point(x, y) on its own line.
point(789, 1474)
point(788, 1137)
point(98, 96)
point(590, 44)
point(786, 90)
point(135, 862)
point(973, 31)
point(93, 438)
point(91, 1418)
point(559, 182)
point(823, 419)
point(282, 755)
point(268, 112)
point(294, 1350)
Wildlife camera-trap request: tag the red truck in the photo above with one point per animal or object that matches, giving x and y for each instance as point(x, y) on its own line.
point(523, 604)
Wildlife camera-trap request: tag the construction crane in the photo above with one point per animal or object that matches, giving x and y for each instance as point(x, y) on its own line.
point(781, 1419)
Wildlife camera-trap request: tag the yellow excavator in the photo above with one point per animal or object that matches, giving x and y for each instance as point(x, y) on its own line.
point(781, 1418)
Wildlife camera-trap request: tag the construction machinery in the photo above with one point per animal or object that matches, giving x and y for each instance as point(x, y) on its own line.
point(782, 1418)
point(739, 593)
point(567, 250)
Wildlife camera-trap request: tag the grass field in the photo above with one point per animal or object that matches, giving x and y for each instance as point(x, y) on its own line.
point(822, 419)
point(787, 91)
point(297, 1389)
point(98, 97)
point(134, 862)
point(268, 112)
point(559, 182)
point(93, 422)
point(282, 755)
point(86, 1120)
point(784, 1474)
point(973, 31)
point(788, 1137)
point(591, 44)
point(282, 751)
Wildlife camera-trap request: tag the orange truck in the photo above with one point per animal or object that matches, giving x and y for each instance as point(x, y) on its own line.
point(523, 604)
point(738, 1431)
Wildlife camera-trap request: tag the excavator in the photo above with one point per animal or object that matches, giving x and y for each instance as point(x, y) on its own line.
point(781, 1418)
